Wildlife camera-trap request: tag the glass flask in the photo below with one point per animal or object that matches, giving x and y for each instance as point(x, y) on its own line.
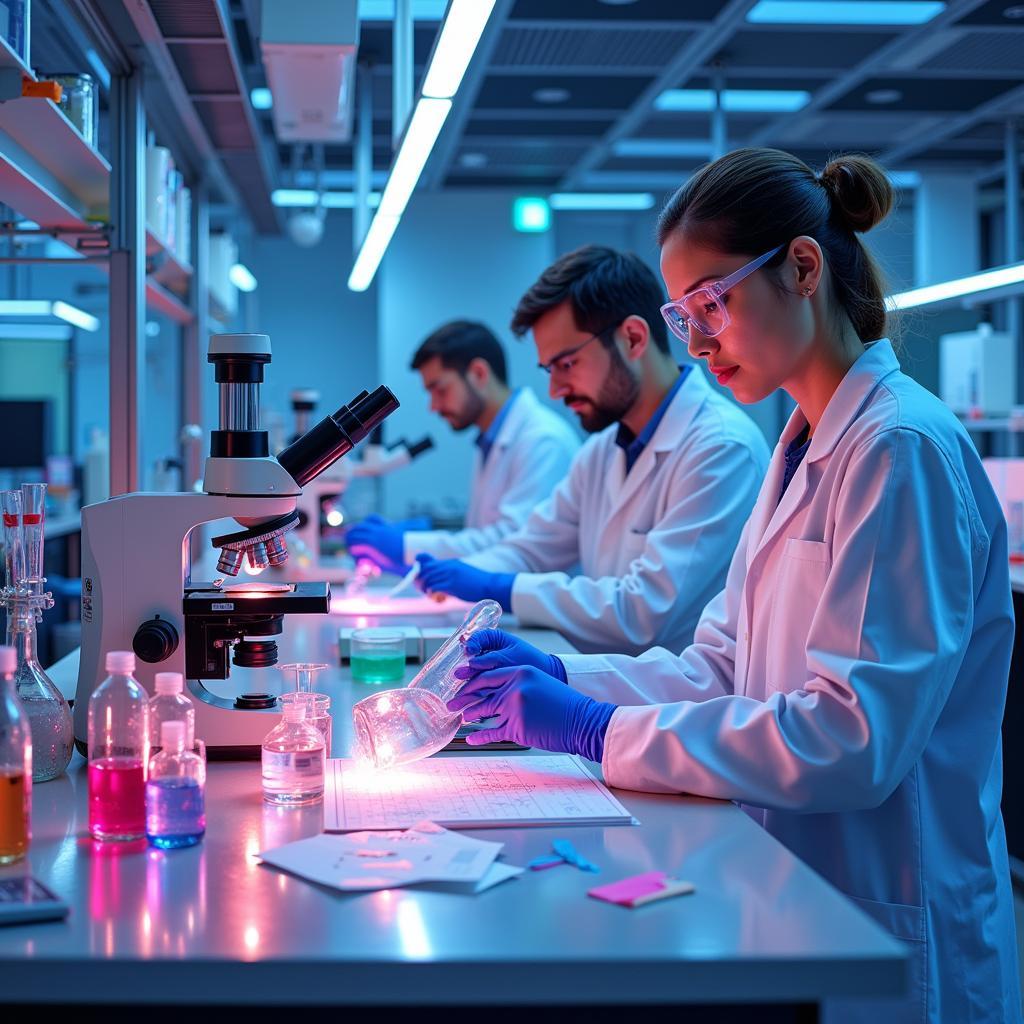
point(318, 713)
point(169, 704)
point(15, 766)
point(53, 730)
point(293, 759)
point(175, 791)
point(302, 674)
point(118, 742)
point(411, 723)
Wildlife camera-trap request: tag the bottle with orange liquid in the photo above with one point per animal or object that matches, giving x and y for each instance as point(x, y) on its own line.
point(118, 751)
point(15, 764)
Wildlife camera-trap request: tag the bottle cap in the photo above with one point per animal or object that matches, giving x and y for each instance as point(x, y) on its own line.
point(8, 661)
point(121, 662)
point(172, 734)
point(295, 712)
point(169, 682)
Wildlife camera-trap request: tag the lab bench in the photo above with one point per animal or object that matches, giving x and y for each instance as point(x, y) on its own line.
point(210, 926)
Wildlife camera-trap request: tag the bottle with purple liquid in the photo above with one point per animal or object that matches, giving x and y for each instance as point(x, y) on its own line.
point(118, 749)
point(175, 792)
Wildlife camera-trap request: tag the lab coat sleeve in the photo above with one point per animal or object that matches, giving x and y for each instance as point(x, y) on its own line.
point(549, 539)
point(884, 646)
point(704, 670)
point(710, 497)
point(535, 472)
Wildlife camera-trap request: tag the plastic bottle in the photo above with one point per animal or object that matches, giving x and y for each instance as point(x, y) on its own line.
point(118, 748)
point(175, 792)
point(293, 760)
point(15, 765)
point(169, 704)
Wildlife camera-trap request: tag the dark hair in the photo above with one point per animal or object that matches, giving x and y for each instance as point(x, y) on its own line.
point(458, 343)
point(604, 287)
point(752, 200)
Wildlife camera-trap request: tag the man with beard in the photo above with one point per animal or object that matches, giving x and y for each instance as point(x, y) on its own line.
point(655, 501)
point(523, 450)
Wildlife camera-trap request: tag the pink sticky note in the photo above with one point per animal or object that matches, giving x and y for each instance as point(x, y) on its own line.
point(640, 889)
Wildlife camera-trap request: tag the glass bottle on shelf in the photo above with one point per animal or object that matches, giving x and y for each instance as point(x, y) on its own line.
point(293, 759)
point(15, 765)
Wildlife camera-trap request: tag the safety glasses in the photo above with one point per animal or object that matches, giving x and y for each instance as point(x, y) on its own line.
point(703, 306)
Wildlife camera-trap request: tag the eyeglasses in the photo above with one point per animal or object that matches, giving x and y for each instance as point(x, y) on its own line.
point(702, 307)
point(564, 363)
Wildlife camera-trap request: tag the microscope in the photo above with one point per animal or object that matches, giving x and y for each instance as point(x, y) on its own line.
point(318, 541)
point(137, 587)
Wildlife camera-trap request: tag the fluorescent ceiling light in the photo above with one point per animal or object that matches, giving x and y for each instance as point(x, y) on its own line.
point(844, 12)
point(987, 280)
point(663, 147)
point(384, 10)
point(735, 100)
point(44, 307)
point(261, 99)
point(460, 33)
point(288, 197)
point(372, 251)
point(531, 214)
point(904, 179)
point(242, 278)
point(601, 200)
point(73, 315)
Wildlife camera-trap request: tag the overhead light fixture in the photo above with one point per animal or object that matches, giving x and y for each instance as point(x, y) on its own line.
point(1014, 13)
point(307, 197)
point(655, 148)
point(551, 94)
point(844, 12)
point(44, 307)
point(739, 101)
point(457, 41)
point(242, 278)
point(473, 161)
point(384, 10)
point(531, 215)
point(261, 99)
point(904, 179)
point(960, 287)
point(883, 96)
point(601, 200)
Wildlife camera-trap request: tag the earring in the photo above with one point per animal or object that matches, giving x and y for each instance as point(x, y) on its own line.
point(807, 291)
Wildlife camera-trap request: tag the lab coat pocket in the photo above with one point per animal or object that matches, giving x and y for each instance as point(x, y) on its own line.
point(907, 924)
point(796, 592)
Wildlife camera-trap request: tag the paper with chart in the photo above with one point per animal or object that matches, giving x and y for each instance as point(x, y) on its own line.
point(469, 792)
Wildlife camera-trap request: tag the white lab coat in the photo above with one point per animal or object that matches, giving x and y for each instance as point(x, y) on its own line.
point(847, 687)
point(652, 546)
point(530, 455)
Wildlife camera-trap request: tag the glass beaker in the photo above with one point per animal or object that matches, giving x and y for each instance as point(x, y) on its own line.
point(414, 722)
point(33, 514)
point(303, 674)
point(11, 505)
point(377, 655)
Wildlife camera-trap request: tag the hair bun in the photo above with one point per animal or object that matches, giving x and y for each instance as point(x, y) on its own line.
point(859, 189)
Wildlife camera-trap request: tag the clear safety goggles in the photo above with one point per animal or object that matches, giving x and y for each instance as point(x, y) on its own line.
point(703, 306)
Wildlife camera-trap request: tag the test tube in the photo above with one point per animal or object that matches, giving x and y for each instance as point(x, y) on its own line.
point(303, 675)
point(33, 514)
point(14, 542)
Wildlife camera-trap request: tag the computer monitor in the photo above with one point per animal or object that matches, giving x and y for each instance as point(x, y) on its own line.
point(28, 433)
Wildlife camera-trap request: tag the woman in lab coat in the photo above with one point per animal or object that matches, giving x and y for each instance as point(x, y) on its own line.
point(847, 686)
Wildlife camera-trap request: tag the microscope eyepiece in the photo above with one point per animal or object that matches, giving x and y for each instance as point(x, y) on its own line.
point(336, 435)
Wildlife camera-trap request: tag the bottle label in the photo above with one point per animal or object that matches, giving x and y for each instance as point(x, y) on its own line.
point(303, 762)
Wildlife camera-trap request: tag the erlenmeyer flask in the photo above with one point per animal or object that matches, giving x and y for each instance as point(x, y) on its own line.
point(405, 725)
point(53, 733)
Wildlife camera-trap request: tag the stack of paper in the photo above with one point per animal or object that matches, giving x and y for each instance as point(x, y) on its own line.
point(383, 860)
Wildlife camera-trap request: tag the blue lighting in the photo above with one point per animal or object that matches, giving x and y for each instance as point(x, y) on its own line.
point(261, 99)
point(740, 101)
point(531, 214)
point(845, 12)
point(601, 200)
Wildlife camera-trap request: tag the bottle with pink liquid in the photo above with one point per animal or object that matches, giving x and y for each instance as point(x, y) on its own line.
point(118, 742)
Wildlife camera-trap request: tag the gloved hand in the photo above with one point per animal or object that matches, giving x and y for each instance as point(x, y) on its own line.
point(406, 525)
point(535, 710)
point(379, 541)
point(452, 576)
point(494, 648)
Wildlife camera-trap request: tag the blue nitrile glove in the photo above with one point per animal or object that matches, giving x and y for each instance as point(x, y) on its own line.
point(406, 525)
point(379, 541)
point(494, 648)
point(534, 710)
point(454, 577)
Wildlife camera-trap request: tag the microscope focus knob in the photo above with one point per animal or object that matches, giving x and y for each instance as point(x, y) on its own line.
point(155, 640)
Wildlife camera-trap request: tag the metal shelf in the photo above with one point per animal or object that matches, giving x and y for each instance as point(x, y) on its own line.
point(50, 173)
point(160, 299)
point(169, 271)
point(10, 61)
